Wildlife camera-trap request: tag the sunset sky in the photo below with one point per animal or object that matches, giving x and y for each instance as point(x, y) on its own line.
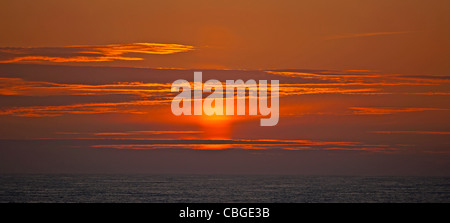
point(364, 86)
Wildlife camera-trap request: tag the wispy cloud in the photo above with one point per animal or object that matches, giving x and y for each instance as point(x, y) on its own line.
point(159, 132)
point(389, 110)
point(359, 77)
point(358, 35)
point(362, 82)
point(413, 132)
point(133, 107)
point(87, 53)
point(18, 86)
point(258, 144)
point(431, 93)
point(286, 90)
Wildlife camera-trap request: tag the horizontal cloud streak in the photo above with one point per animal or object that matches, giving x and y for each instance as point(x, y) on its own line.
point(355, 77)
point(390, 110)
point(134, 107)
point(18, 86)
point(358, 35)
point(248, 144)
point(160, 132)
point(87, 53)
point(413, 132)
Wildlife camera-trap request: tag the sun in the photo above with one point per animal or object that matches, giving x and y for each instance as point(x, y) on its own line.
point(215, 126)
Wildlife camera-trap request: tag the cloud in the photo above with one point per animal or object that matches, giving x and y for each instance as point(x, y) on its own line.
point(357, 82)
point(159, 132)
point(292, 89)
point(358, 35)
point(133, 107)
point(358, 77)
point(19, 86)
point(258, 144)
point(413, 132)
point(431, 93)
point(87, 53)
point(389, 110)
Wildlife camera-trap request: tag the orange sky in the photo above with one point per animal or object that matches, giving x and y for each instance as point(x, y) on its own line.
point(363, 84)
point(389, 36)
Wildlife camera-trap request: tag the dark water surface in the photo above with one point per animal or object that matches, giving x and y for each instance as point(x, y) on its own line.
point(221, 188)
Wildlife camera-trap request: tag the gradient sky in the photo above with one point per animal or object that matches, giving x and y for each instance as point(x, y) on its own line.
point(364, 86)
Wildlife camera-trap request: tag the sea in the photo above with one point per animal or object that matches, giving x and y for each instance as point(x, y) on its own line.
point(73, 188)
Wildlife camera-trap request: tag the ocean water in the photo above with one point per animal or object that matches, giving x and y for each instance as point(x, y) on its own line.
point(221, 189)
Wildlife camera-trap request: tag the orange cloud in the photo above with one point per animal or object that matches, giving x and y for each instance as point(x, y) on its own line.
point(88, 53)
point(90, 108)
point(144, 133)
point(352, 77)
point(286, 90)
point(18, 86)
point(261, 144)
point(359, 82)
point(389, 110)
